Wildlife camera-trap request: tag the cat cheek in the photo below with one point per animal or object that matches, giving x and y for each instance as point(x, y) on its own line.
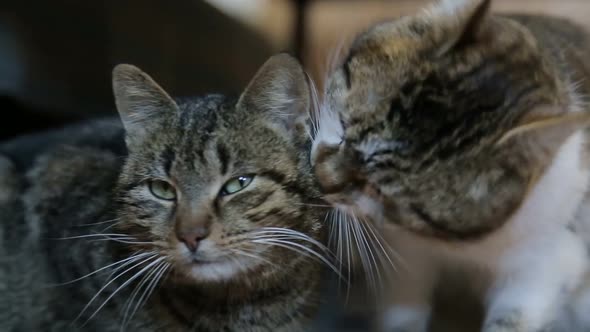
point(370, 207)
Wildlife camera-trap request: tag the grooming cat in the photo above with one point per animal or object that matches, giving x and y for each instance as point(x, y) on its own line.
point(203, 222)
point(463, 133)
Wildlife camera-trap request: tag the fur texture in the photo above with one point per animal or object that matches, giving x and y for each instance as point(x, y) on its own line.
point(205, 221)
point(464, 134)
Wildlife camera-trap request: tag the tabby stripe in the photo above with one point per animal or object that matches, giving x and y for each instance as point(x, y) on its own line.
point(390, 164)
point(223, 156)
point(346, 68)
point(346, 71)
point(289, 186)
point(168, 156)
point(265, 214)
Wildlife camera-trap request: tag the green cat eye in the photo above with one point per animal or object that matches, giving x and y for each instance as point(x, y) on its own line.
point(236, 184)
point(162, 190)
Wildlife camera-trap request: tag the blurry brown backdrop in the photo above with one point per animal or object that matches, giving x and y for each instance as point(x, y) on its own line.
point(56, 56)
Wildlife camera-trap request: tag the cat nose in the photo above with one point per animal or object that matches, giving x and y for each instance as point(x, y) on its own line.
point(193, 237)
point(323, 168)
point(335, 170)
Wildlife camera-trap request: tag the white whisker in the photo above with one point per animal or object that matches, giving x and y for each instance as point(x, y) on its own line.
point(90, 236)
point(110, 282)
point(128, 260)
point(97, 223)
point(306, 251)
point(136, 290)
point(160, 270)
point(135, 276)
point(251, 255)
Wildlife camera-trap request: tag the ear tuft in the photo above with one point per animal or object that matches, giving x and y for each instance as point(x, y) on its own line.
point(141, 102)
point(280, 90)
point(462, 22)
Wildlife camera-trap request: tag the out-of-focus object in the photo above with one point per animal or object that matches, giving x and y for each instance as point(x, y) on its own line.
point(56, 56)
point(332, 24)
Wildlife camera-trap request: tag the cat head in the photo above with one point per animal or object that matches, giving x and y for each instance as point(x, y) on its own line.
point(219, 188)
point(441, 121)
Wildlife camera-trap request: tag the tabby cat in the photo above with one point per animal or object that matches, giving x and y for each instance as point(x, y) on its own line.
point(463, 132)
point(204, 221)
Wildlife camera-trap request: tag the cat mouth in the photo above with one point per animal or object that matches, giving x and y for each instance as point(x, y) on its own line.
point(202, 262)
point(210, 270)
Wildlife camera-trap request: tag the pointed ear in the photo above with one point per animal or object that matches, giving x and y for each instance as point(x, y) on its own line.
point(141, 102)
point(280, 89)
point(460, 22)
point(546, 132)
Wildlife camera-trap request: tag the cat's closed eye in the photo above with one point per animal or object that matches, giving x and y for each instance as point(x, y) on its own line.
point(236, 184)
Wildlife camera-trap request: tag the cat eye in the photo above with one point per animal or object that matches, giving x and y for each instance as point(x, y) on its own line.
point(236, 184)
point(162, 190)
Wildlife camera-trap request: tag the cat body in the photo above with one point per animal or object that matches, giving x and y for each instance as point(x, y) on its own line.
point(463, 134)
point(183, 228)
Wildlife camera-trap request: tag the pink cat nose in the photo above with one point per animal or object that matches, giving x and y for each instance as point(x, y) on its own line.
point(192, 238)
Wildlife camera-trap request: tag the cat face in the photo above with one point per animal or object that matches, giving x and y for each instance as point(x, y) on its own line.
point(415, 122)
point(219, 188)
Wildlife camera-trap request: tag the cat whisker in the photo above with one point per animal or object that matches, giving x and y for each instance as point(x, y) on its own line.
point(376, 257)
point(363, 249)
point(387, 248)
point(127, 282)
point(98, 223)
point(127, 260)
point(344, 240)
point(241, 267)
point(159, 270)
point(110, 281)
point(129, 302)
point(125, 240)
point(252, 255)
point(293, 233)
point(301, 249)
point(278, 235)
point(380, 251)
point(315, 106)
point(324, 251)
point(86, 236)
point(316, 205)
point(110, 226)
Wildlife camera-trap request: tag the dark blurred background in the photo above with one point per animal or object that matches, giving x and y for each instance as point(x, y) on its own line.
point(56, 56)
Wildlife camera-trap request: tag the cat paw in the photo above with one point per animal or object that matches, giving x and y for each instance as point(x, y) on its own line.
point(514, 322)
point(509, 322)
point(400, 319)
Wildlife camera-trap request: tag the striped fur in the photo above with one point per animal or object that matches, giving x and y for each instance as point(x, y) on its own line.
point(258, 269)
point(460, 129)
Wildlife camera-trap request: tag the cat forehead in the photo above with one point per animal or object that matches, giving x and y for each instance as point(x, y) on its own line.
point(209, 135)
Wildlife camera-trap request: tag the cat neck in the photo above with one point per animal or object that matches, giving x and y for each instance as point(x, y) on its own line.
point(289, 298)
point(557, 196)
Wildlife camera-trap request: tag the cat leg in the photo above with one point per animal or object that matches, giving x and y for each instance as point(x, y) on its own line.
point(532, 284)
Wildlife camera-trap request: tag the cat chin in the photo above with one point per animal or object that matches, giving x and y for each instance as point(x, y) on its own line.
point(209, 266)
point(220, 271)
point(358, 205)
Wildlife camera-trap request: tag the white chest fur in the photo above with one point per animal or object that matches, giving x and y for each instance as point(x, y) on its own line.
point(527, 266)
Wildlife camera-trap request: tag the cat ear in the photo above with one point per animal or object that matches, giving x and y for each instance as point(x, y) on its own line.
point(458, 22)
point(546, 132)
point(141, 102)
point(281, 90)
